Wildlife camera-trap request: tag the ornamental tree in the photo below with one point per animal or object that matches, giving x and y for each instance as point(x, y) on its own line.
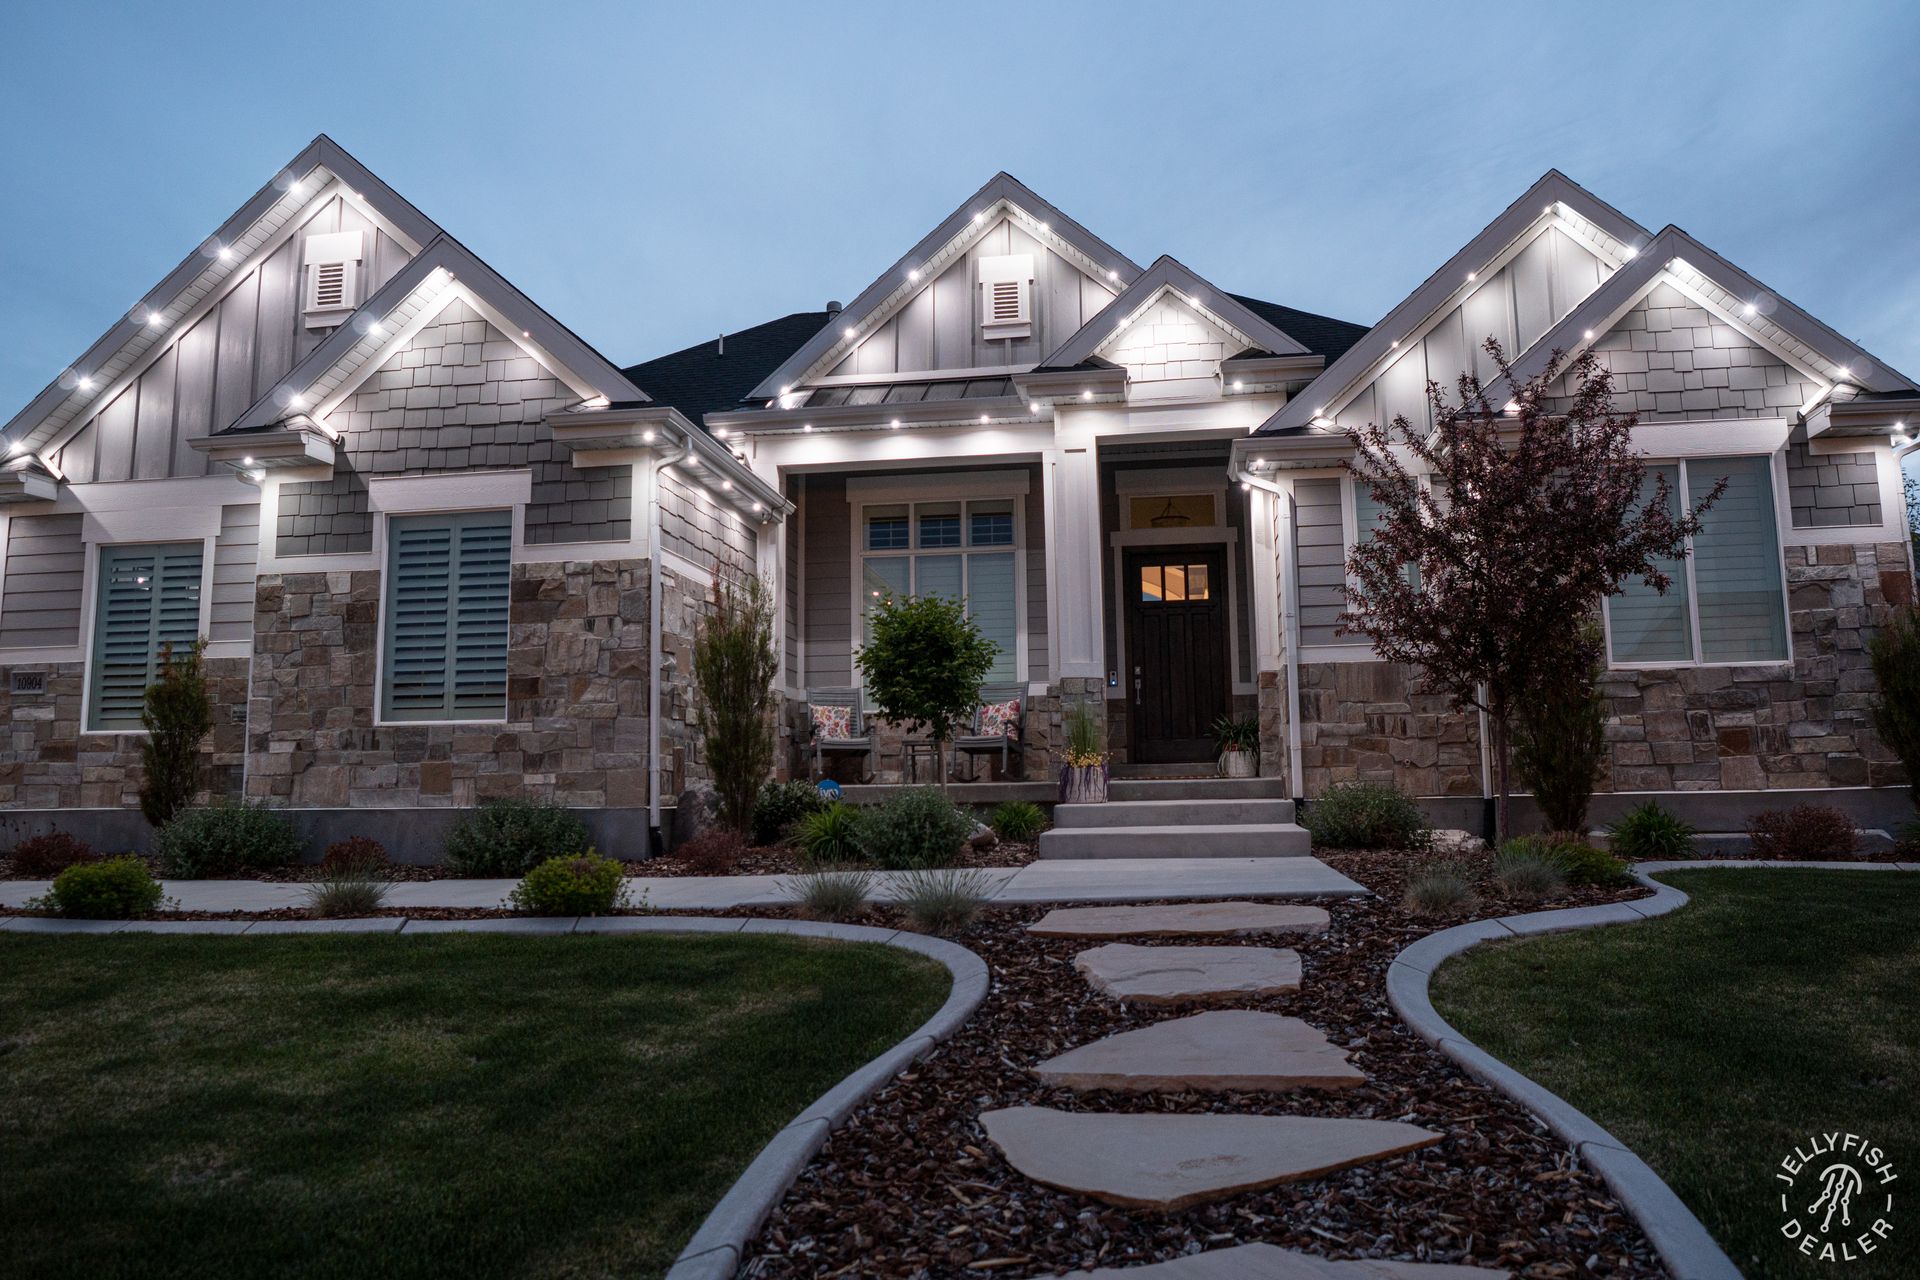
point(1516, 522)
point(177, 714)
point(734, 663)
point(924, 666)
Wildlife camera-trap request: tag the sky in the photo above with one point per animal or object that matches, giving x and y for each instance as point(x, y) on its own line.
point(655, 174)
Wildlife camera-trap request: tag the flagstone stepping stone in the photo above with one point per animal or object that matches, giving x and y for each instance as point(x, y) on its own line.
point(1169, 975)
point(1212, 1052)
point(1271, 1262)
point(1172, 1161)
point(1190, 919)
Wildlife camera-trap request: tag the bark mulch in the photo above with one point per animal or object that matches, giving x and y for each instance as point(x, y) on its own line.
point(910, 1186)
point(779, 860)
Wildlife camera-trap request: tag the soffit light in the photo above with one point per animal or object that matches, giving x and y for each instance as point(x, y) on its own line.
point(226, 254)
point(895, 424)
point(1033, 406)
point(86, 383)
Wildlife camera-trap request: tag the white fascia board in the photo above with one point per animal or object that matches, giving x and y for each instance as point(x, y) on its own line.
point(1553, 197)
point(1170, 275)
point(962, 227)
point(872, 417)
point(202, 273)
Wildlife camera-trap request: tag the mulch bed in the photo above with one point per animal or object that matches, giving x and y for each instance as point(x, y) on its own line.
point(779, 860)
point(911, 1187)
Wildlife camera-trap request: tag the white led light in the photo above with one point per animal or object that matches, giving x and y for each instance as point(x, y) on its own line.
point(758, 507)
point(1471, 277)
point(298, 187)
point(807, 427)
point(727, 485)
point(1245, 487)
point(1086, 395)
point(155, 318)
point(847, 332)
point(86, 384)
point(1396, 345)
point(786, 388)
point(1630, 254)
point(247, 461)
point(1589, 335)
point(16, 447)
point(647, 435)
point(914, 275)
point(1747, 310)
point(721, 432)
point(226, 254)
point(1113, 275)
point(296, 400)
point(984, 419)
point(981, 216)
point(895, 424)
point(1237, 384)
point(1844, 372)
point(1033, 406)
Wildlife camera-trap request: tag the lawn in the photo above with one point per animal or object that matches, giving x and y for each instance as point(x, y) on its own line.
point(1777, 1005)
point(382, 1106)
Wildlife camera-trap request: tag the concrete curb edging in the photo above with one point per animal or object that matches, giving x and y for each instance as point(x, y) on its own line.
point(1682, 1242)
point(717, 1246)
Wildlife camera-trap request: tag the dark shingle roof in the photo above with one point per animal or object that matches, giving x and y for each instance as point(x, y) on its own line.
point(1322, 335)
point(702, 379)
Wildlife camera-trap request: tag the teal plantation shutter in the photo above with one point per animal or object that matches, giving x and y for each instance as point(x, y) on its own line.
point(446, 626)
point(149, 599)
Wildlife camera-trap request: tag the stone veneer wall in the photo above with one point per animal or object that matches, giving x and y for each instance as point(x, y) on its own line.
point(46, 762)
point(1800, 724)
point(576, 727)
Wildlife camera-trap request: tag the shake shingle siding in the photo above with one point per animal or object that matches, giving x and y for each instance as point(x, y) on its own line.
point(1833, 489)
point(697, 528)
point(460, 397)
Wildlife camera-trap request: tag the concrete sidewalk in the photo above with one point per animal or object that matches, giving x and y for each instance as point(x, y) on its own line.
point(1050, 881)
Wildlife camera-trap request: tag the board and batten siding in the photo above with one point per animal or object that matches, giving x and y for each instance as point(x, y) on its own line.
point(40, 602)
point(1516, 305)
point(1321, 554)
point(939, 327)
point(212, 371)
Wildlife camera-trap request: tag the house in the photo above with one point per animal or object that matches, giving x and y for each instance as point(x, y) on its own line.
point(441, 549)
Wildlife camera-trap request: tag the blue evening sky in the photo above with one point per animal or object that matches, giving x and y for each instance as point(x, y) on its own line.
point(653, 175)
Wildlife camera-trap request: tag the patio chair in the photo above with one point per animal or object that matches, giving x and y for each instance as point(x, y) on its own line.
point(837, 725)
point(996, 726)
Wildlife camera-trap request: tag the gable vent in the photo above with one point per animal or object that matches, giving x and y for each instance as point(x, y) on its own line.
point(333, 277)
point(1007, 281)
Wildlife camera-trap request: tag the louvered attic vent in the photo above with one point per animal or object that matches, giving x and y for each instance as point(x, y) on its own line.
point(1007, 281)
point(333, 277)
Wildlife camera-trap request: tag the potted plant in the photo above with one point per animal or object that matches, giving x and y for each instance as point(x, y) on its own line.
point(1084, 779)
point(1239, 746)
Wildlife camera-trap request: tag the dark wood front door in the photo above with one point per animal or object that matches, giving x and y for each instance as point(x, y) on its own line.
point(1177, 651)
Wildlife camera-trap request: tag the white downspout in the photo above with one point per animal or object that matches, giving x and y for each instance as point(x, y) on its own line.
point(656, 608)
point(1289, 621)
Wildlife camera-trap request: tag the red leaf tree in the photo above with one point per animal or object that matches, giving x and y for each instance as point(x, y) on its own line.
point(1516, 521)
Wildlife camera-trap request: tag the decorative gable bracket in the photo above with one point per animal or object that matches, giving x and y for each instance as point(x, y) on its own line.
point(295, 443)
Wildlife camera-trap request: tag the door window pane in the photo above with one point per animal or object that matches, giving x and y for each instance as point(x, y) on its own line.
point(1647, 626)
point(1151, 586)
point(1736, 564)
point(1197, 582)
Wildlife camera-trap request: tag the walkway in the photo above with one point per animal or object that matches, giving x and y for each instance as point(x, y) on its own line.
point(1059, 880)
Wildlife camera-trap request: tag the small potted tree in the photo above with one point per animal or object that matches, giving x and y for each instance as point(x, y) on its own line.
point(1239, 746)
point(1083, 780)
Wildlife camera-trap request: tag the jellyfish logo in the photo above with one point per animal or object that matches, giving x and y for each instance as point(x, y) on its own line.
point(1837, 1201)
point(1838, 1183)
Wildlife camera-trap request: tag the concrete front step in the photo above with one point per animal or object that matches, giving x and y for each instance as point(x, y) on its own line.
point(1174, 813)
point(1242, 840)
point(1197, 789)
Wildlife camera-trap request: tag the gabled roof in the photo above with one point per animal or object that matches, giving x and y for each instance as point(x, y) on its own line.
point(385, 323)
point(1741, 300)
point(920, 264)
point(1554, 195)
point(101, 371)
point(716, 377)
point(1322, 335)
point(1170, 275)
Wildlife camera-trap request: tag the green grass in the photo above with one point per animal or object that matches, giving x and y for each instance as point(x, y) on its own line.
point(372, 1106)
point(1777, 1004)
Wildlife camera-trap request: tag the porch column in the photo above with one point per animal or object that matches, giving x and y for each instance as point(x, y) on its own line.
point(1077, 599)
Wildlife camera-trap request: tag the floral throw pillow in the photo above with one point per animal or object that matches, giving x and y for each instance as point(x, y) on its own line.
point(832, 722)
point(1000, 719)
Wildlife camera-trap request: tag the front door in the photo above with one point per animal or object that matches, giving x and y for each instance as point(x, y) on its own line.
point(1177, 650)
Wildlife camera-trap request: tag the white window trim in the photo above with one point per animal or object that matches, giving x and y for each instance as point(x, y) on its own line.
point(90, 588)
point(864, 492)
point(1782, 520)
point(451, 492)
point(518, 515)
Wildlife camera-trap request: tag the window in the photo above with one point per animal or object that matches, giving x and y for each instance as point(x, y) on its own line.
point(333, 277)
point(149, 599)
point(1006, 285)
point(1173, 583)
point(962, 550)
point(1369, 513)
point(446, 616)
point(1726, 603)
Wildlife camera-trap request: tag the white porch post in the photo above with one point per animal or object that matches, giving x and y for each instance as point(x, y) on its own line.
point(1078, 604)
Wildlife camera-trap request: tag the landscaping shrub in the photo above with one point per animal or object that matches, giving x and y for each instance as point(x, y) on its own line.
point(1018, 820)
point(1648, 831)
point(51, 854)
point(509, 836)
point(1895, 653)
point(1558, 736)
point(714, 852)
point(832, 893)
point(830, 836)
point(177, 715)
point(914, 827)
point(1440, 888)
point(356, 853)
point(1525, 869)
point(1804, 831)
point(1366, 815)
point(1579, 861)
point(347, 889)
point(224, 838)
point(941, 901)
point(780, 805)
point(734, 663)
point(111, 889)
point(583, 884)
